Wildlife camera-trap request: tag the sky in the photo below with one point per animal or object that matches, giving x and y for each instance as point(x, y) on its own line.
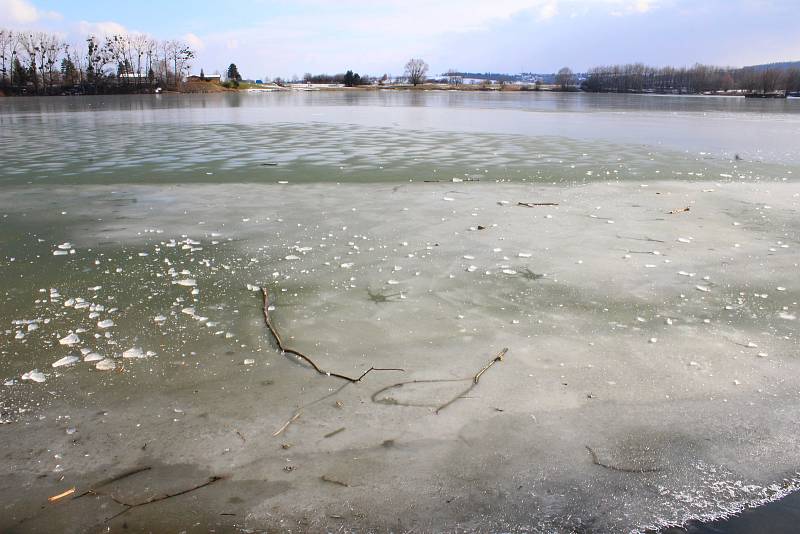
point(269, 38)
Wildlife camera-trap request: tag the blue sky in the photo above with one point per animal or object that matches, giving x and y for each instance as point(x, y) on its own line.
point(286, 37)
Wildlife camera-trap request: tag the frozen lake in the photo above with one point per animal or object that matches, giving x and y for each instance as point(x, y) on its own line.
point(636, 255)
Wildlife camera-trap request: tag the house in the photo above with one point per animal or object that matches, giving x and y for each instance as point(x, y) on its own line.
point(216, 78)
point(133, 77)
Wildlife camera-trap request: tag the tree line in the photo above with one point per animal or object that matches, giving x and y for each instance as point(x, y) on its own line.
point(698, 79)
point(42, 63)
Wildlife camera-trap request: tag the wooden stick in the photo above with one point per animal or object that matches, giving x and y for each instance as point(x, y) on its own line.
point(302, 356)
point(331, 434)
point(161, 497)
point(497, 358)
point(60, 496)
point(596, 461)
point(535, 204)
point(286, 424)
point(115, 478)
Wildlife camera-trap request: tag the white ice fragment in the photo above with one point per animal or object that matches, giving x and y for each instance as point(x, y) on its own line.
point(186, 282)
point(35, 375)
point(346, 265)
point(106, 323)
point(704, 289)
point(188, 311)
point(524, 254)
point(249, 361)
point(468, 257)
point(106, 364)
point(653, 340)
point(448, 199)
point(392, 282)
point(65, 246)
point(787, 316)
point(292, 257)
point(472, 269)
point(133, 352)
point(60, 253)
point(159, 319)
point(71, 339)
point(684, 240)
point(92, 357)
point(66, 360)
point(509, 271)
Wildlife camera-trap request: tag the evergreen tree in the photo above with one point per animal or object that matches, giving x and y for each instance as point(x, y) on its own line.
point(233, 74)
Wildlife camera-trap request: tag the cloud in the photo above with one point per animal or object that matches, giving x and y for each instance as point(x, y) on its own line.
point(102, 28)
point(22, 12)
point(194, 41)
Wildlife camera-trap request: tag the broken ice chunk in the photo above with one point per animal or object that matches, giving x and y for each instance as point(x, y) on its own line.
point(92, 357)
point(187, 282)
point(107, 323)
point(71, 339)
point(66, 360)
point(35, 375)
point(133, 352)
point(106, 364)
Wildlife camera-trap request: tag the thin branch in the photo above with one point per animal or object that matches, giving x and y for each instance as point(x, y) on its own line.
point(596, 461)
point(497, 358)
point(535, 204)
point(164, 497)
point(286, 424)
point(116, 478)
point(473, 382)
point(302, 356)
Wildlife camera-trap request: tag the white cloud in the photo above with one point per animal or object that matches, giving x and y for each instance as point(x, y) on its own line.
point(22, 12)
point(194, 41)
point(101, 28)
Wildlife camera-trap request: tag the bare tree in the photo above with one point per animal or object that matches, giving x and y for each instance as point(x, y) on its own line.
point(565, 78)
point(7, 44)
point(416, 69)
point(454, 77)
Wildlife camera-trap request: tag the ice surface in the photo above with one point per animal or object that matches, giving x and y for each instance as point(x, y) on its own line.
point(628, 397)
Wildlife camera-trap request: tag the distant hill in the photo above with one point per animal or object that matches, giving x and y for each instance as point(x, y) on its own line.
point(783, 65)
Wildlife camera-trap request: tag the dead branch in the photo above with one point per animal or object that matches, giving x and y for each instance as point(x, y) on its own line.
point(56, 498)
point(111, 480)
point(302, 356)
point(326, 478)
point(474, 379)
point(680, 210)
point(164, 497)
point(645, 238)
point(497, 358)
point(536, 204)
point(331, 434)
point(286, 424)
point(596, 461)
